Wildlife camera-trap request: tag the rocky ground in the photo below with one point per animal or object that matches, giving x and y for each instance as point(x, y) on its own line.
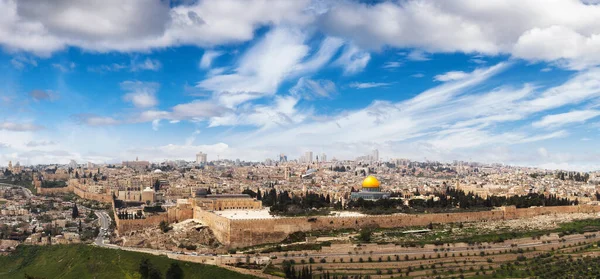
point(188, 236)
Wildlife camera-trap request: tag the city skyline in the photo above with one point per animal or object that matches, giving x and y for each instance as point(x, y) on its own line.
point(411, 79)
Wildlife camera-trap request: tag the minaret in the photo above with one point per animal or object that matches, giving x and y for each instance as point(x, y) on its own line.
point(10, 165)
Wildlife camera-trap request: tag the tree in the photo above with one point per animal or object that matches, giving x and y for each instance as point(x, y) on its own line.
point(144, 268)
point(174, 272)
point(154, 274)
point(75, 212)
point(148, 270)
point(365, 235)
point(156, 185)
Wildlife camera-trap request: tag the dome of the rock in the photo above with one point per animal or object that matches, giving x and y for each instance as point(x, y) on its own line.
point(370, 182)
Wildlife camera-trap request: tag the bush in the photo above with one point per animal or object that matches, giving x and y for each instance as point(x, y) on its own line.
point(164, 226)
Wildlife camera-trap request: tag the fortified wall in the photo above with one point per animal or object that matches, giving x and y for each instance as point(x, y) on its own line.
point(77, 189)
point(240, 233)
point(92, 196)
point(52, 191)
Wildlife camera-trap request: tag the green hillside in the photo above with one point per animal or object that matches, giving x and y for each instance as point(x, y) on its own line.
point(85, 261)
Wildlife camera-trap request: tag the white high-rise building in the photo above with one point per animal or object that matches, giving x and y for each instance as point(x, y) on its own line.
point(375, 155)
point(201, 158)
point(323, 158)
point(308, 157)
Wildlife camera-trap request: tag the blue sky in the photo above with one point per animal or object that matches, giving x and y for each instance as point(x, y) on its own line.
point(450, 80)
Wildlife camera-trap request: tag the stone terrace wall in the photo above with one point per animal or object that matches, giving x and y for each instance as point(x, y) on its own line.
point(259, 231)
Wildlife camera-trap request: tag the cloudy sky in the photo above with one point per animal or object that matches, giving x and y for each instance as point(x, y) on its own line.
point(506, 81)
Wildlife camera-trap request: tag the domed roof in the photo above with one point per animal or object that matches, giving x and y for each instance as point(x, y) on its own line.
point(370, 182)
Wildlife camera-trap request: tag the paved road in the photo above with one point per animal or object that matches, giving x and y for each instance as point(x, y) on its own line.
point(104, 222)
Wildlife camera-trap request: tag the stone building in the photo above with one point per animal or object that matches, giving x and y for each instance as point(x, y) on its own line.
point(224, 202)
point(148, 195)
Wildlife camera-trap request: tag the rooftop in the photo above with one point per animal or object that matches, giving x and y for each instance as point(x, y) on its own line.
point(245, 214)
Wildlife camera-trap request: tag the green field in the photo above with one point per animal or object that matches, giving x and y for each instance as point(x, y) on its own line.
point(84, 261)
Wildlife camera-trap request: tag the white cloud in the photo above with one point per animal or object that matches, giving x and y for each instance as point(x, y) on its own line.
point(155, 124)
point(310, 89)
point(208, 57)
point(150, 115)
point(197, 110)
point(148, 64)
point(281, 112)
point(557, 30)
point(392, 64)
point(138, 25)
point(452, 75)
point(19, 127)
point(192, 138)
point(140, 94)
point(557, 120)
point(364, 85)
point(328, 48)
point(418, 55)
point(40, 143)
point(562, 31)
point(95, 120)
point(20, 62)
point(353, 60)
point(65, 68)
point(260, 70)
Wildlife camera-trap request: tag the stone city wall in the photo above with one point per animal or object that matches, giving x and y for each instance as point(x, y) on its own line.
point(77, 189)
point(220, 226)
point(259, 231)
point(91, 196)
point(180, 213)
point(52, 191)
point(125, 226)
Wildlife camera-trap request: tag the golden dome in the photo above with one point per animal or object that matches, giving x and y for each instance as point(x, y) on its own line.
point(370, 182)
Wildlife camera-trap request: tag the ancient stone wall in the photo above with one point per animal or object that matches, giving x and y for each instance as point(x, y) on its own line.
point(259, 231)
point(124, 226)
point(180, 213)
point(52, 191)
point(92, 196)
point(220, 226)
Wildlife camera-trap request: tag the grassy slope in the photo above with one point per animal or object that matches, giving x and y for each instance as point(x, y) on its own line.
point(84, 261)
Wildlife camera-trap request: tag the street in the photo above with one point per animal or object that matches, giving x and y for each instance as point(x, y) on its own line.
point(104, 222)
